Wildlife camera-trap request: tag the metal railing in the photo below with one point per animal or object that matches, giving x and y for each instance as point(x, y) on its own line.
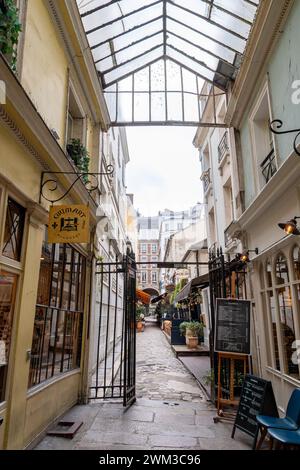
point(223, 147)
point(205, 177)
point(268, 166)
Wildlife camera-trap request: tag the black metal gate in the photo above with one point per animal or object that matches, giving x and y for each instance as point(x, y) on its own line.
point(114, 354)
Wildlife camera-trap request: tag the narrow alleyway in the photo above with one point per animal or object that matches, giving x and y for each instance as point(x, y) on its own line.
point(171, 411)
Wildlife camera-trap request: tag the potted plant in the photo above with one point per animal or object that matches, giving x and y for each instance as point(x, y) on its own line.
point(10, 29)
point(139, 318)
point(80, 156)
point(191, 330)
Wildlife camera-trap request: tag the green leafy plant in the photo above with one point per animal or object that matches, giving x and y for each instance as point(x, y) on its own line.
point(209, 377)
point(195, 327)
point(140, 312)
point(10, 28)
point(80, 156)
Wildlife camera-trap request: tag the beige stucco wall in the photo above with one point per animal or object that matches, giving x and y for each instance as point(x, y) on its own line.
point(49, 401)
point(45, 68)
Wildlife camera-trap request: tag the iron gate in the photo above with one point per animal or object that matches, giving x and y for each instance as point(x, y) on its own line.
point(114, 353)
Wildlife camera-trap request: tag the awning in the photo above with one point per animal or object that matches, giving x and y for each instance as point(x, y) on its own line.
point(201, 281)
point(159, 298)
point(143, 296)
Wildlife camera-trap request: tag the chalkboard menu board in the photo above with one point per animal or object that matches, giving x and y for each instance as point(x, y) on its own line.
point(257, 397)
point(232, 326)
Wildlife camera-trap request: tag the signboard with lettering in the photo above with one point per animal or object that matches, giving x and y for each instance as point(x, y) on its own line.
point(257, 397)
point(232, 326)
point(69, 224)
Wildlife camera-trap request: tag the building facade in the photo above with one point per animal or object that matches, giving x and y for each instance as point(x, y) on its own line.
point(148, 252)
point(250, 177)
point(52, 107)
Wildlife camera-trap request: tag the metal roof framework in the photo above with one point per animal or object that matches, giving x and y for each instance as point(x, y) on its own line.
point(159, 55)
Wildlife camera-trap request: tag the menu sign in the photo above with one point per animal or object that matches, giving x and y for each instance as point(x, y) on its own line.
point(232, 326)
point(257, 397)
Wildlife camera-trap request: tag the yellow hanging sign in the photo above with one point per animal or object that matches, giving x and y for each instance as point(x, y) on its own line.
point(69, 224)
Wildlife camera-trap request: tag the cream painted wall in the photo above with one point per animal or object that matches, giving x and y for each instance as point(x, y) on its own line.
point(45, 68)
point(18, 166)
point(3, 426)
point(46, 404)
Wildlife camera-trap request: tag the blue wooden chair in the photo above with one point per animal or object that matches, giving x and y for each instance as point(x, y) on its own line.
point(291, 421)
point(284, 437)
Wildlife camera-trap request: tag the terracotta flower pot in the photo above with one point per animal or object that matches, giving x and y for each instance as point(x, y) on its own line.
point(139, 326)
point(192, 342)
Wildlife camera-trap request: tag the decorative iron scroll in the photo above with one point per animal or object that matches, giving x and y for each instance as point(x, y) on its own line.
point(277, 124)
point(89, 180)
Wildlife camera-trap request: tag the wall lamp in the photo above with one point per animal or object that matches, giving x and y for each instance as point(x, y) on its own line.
point(244, 257)
point(290, 227)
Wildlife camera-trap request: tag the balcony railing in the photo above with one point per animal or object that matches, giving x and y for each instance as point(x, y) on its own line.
point(268, 166)
point(205, 177)
point(223, 147)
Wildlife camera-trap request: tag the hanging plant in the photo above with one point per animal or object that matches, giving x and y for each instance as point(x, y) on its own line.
point(10, 28)
point(80, 156)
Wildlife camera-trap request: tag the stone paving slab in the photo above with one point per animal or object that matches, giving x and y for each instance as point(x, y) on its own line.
point(170, 412)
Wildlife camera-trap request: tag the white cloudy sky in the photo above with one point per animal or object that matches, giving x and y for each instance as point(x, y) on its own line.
point(164, 168)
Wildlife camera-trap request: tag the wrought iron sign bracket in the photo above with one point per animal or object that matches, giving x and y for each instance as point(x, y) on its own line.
point(277, 124)
point(49, 184)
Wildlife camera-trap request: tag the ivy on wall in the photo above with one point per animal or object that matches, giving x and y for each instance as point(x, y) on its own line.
point(10, 28)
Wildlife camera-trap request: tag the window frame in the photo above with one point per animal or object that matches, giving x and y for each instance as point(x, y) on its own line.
point(265, 291)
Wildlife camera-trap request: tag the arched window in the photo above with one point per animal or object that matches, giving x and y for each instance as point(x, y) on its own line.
point(296, 262)
point(281, 273)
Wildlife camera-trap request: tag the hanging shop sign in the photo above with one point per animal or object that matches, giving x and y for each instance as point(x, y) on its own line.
point(69, 224)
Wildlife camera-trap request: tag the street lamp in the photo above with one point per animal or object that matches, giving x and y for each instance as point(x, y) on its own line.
point(244, 257)
point(290, 227)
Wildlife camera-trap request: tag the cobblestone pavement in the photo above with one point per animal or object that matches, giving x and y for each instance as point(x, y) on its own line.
point(160, 375)
point(170, 411)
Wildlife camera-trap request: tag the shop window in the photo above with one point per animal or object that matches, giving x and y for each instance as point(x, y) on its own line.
point(274, 337)
point(287, 328)
point(13, 231)
point(56, 344)
point(8, 285)
point(296, 262)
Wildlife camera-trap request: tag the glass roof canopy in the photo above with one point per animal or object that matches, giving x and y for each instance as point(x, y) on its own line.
point(152, 52)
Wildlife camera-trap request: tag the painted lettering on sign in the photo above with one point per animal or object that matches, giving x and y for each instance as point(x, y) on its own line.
point(69, 224)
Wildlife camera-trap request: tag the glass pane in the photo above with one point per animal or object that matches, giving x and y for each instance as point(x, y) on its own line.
point(282, 274)
point(190, 64)
point(274, 337)
point(191, 109)
point(8, 286)
point(230, 22)
point(174, 106)
point(158, 106)
point(269, 273)
point(158, 76)
point(141, 106)
point(296, 260)
point(44, 287)
point(13, 230)
point(133, 66)
point(197, 38)
point(287, 328)
point(238, 7)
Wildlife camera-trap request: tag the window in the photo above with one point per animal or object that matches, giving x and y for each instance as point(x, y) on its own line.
point(8, 285)
point(154, 259)
point(281, 312)
point(144, 248)
point(144, 259)
point(179, 226)
point(263, 140)
point(154, 248)
point(13, 231)
point(76, 124)
point(166, 227)
point(56, 343)
point(154, 277)
point(144, 277)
